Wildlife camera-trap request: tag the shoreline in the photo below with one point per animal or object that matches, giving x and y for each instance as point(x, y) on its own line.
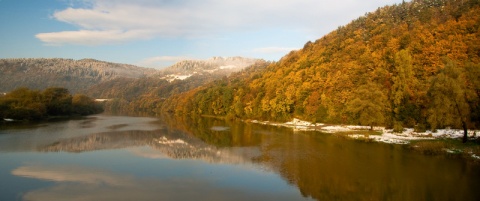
point(422, 141)
point(385, 135)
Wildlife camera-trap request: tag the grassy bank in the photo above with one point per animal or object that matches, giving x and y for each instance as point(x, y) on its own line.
point(450, 147)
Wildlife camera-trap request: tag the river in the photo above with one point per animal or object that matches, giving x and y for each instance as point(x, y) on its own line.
point(106, 157)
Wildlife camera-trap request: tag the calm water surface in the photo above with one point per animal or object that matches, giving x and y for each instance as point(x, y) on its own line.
point(136, 158)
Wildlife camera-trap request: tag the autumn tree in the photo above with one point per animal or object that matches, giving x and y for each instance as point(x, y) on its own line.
point(315, 110)
point(369, 105)
point(57, 100)
point(84, 105)
point(403, 80)
point(473, 84)
point(22, 103)
point(450, 99)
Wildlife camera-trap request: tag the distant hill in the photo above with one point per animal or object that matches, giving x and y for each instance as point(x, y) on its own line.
point(75, 75)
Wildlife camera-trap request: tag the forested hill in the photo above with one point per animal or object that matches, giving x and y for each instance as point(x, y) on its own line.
point(412, 64)
point(74, 75)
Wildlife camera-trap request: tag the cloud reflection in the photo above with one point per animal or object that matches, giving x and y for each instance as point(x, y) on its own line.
point(70, 174)
point(80, 183)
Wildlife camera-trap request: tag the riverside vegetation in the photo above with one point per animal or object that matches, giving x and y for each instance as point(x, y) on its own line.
point(27, 104)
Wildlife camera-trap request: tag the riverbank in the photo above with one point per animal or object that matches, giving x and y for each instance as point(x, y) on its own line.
point(379, 134)
point(428, 142)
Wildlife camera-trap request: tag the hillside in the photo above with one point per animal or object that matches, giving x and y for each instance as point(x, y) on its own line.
point(416, 64)
point(75, 75)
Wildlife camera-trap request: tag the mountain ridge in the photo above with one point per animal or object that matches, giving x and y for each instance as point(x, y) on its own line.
point(75, 75)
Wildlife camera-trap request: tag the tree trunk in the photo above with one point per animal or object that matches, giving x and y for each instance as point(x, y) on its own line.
point(465, 133)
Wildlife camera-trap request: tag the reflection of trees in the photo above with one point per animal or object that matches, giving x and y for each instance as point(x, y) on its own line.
point(328, 168)
point(237, 135)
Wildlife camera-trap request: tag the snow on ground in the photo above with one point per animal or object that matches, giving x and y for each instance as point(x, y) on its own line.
point(386, 135)
point(408, 134)
point(296, 124)
point(171, 78)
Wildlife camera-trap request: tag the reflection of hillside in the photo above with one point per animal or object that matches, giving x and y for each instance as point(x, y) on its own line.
point(176, 145)
point(180, 149)
point(99, 141)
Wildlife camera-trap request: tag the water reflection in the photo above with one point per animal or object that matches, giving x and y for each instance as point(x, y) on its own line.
point(34, 138)
point(326, 167)
point(170, 143)
point(83, 183)
point(235, 157)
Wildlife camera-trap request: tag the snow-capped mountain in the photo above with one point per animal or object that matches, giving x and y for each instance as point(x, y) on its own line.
point(215, 65)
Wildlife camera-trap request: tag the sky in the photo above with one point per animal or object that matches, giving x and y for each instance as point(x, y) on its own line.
point(158, 33)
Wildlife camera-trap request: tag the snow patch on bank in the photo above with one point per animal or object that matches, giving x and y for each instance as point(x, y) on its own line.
point(296, 124)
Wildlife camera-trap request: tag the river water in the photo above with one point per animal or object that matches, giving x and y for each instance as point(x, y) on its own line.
point(140, 158)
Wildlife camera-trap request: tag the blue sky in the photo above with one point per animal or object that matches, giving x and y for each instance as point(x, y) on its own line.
point(158, 33)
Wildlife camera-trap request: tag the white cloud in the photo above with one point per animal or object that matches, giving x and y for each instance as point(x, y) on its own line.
point(92, 37)
point(274, 50)
point(123, 20)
